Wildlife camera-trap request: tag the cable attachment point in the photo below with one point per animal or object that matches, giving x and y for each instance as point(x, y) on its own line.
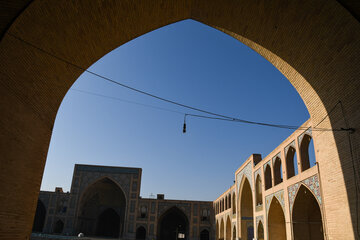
point(184, 127)
point(350, 130)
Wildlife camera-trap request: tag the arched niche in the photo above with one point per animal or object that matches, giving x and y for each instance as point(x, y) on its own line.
point(306, 216)
point(278, 176)
point(260, 231)
point(101, 209)
point(222, 232)
point(140, 233)
point(228, 228)
point(246, 211)
point(268, 177)
point(307, 153)
point(291, 162)
point(258, 190)
point(233, 203)
point(172, 222)
point(204, 235)
point(276, 221)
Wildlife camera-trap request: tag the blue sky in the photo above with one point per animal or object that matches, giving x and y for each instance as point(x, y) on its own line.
point(187, 62)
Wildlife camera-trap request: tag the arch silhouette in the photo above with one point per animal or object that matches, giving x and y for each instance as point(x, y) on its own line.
point(222, 232)
point(173, 221)
point(304, 153)
point(268, 177)
point(306, 216)
point(140, 233)
point(101, 204)
point(258, 190)
point(260, 231)
point(228, 229)
point(278, 178)
point(276, 221)
point(291, 39)
point(204, 235)
point(246, 211)
point(291, 162)
point(234, 233)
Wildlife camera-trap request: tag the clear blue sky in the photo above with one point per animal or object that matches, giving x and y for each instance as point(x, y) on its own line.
point(186, 62)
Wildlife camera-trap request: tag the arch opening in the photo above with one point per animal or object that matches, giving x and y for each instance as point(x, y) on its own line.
point(228, 229)
point(278, 176)
point(268, 177)
point(234, 233)
point(276, 221)
point(258, 191)
point(58, 227)
point(40, 216)
point(204, 235)
point(233, 204)
point(246, 212)
point(172, 223)
point(291, 163)
point(221, 235)
point(306, 216)
point(307, 153)
point(140, 233)
point(260, 231)
point(101, 210)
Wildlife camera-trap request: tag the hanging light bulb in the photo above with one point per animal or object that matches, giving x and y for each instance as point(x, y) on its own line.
point(184, 127)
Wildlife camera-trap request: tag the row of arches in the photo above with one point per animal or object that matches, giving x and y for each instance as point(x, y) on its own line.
point(226, 203)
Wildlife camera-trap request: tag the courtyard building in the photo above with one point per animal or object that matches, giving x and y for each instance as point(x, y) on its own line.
point(105, 202)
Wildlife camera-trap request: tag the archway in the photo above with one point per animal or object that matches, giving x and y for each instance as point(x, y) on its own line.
point(108, 224)
point(222, 233)
point(307, 159)
point(258, 190)
point(302, 55)
point(217, 230)
point(40, 216)
point(228, 229)
point(171, 223)
point(204, 235)
point(101, 210)
point(278, 178)
point(58, 227)
point(268, 177)
point(234, 233)
point(276, 221)
point(246, 212)
point(233, 204)
point(140, 233)
point(260, 231)
point(306, 216)
point(291, 163)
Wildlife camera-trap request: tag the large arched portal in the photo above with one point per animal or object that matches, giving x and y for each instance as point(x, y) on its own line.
point(102, 209)
point(40, 216)
point(315, 44)
point(246, 212)
point(276, 221)
point(172, 223)
point(306, 216)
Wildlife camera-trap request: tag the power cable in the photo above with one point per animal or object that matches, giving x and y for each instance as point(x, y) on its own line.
point(223, 117)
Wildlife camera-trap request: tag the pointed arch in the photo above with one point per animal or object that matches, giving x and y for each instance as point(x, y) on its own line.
point(229, 200)
point(172, 221)
point(217, 230)
point(40, 216)
point(228, 229)
point(258, 190)
point(260, 231)
point(278, 176)
point(222, 232)
point(234, 233)
point(306, 216)
point(291, 162)
point(307, 153)
point(103, 194)
point(276, 221)
point(246, 211)
point(58, 227)
point(140, 233)
point(233, 203)
point(204, 235)
point(268, 177)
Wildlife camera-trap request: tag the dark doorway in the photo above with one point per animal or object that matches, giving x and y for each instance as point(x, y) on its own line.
point(172, 223)
point(58, 227)
point(108, 224)
point(102, 207)
point(306, 216)
point(204, 235)
point(39, 219)
point(140, 233)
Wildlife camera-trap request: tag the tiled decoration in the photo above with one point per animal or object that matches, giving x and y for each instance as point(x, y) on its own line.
point(279, 196)
point(259, 219)
point(247, 171)
point(312, 183)
point(308, 132)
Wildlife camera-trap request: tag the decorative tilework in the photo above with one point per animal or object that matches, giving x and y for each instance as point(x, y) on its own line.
point(292, 144)
point(279, 196)
point(247, 171)
point(308, 132)
point(278, 155)
point(258, 219)
point(312, 184)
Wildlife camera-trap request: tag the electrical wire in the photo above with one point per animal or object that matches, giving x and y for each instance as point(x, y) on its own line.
point(218, 116)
